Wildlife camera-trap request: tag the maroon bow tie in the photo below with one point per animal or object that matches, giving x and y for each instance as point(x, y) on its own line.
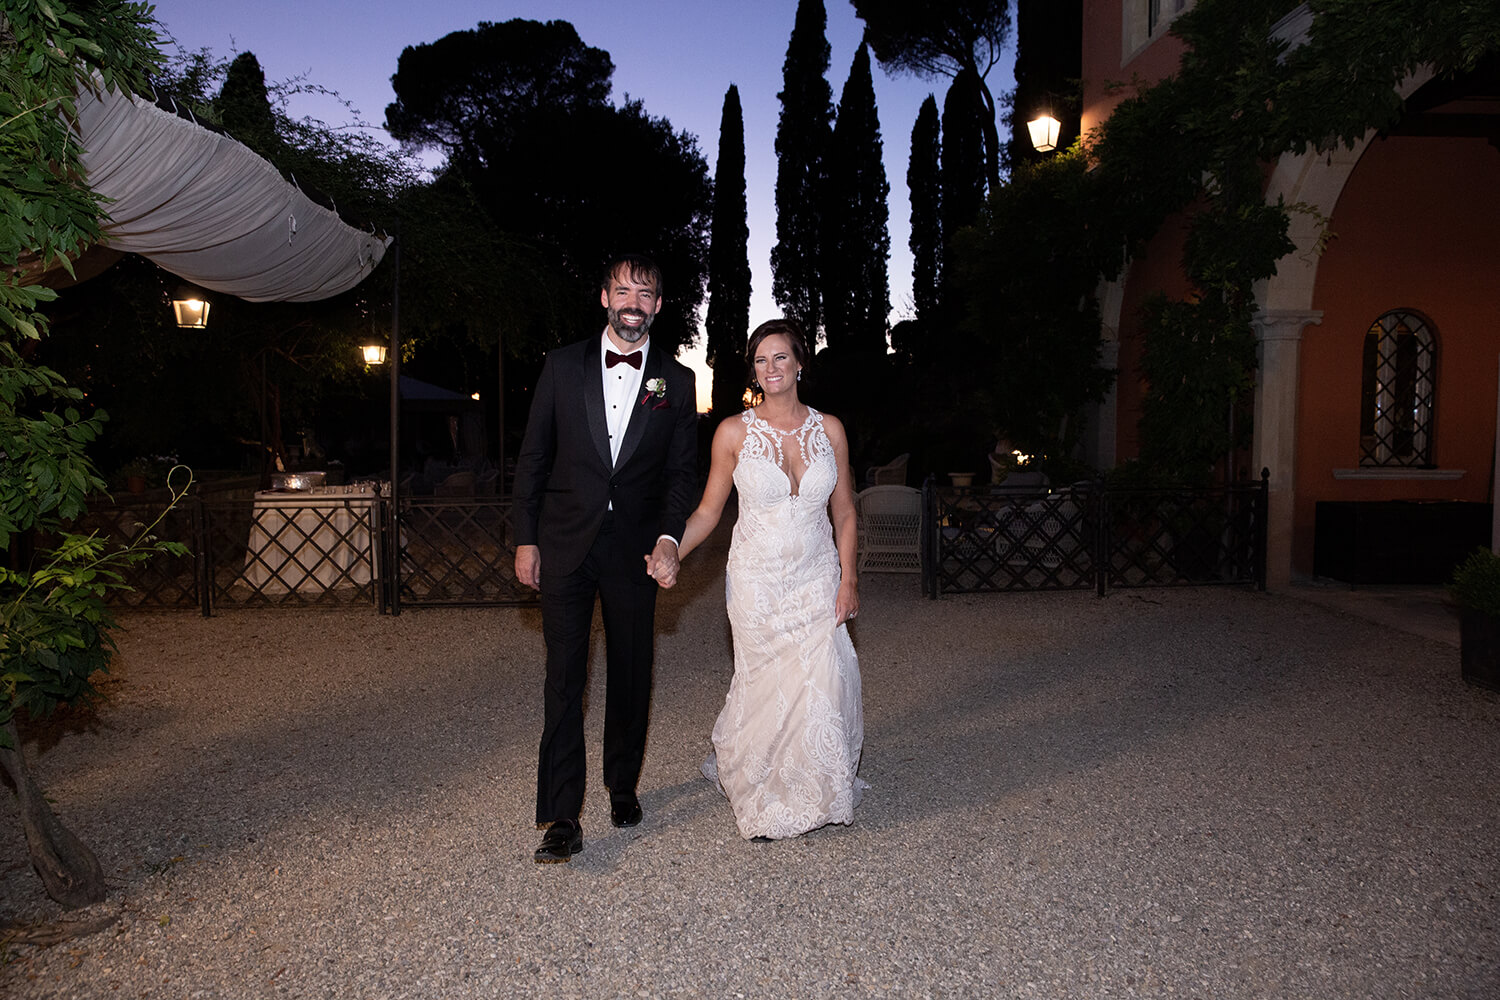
point(632, 359)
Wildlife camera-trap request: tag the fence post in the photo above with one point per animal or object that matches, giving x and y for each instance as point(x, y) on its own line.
point(382, 526)
point(203, 557)
point(928, 547)
point(392, 549)
point(1101, 539)
point(1262, 528)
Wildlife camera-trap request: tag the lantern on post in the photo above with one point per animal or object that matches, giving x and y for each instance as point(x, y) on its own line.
point(1044, 131)
point(190, 307)
point(374, 354)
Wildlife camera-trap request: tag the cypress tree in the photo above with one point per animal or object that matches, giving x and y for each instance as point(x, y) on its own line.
point(924, 182)
point(803, 133)
point(963, 155)
point(729, 264)
point(856, 284)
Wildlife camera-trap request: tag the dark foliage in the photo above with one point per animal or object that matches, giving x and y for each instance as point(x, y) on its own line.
point(520, 109)
point(856, 286)
point(951, 38)
point(923, 182)
point(728, 323)
point(803, 135)
point(1049, 71)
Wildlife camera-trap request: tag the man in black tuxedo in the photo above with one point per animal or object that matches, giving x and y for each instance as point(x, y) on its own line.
point(605, 479)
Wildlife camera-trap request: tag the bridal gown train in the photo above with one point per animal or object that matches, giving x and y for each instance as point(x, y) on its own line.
point(787, 744)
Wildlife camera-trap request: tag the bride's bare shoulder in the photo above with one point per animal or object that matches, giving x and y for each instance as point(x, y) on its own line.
point(832, 427)
point(731, 431)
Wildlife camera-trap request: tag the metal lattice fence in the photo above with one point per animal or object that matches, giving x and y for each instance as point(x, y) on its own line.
point(1092, 536)
point(458, 552)
point(319, 550)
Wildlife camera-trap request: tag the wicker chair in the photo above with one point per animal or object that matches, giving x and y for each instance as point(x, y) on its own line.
point(892, 473)
point(890, 529)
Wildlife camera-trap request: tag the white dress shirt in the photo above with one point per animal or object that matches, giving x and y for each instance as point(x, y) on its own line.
point(622, 390)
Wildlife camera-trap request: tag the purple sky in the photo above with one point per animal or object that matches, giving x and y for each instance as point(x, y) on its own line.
point(677, 56)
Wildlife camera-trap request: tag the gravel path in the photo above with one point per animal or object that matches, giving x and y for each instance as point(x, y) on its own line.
point(1188, 793)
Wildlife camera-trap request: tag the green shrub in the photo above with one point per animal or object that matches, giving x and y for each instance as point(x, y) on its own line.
point(1476, 583)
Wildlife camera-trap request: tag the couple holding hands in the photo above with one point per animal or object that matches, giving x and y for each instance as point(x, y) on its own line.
point(605, 486)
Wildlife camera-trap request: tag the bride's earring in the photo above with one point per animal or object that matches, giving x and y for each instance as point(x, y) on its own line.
point(799, 374)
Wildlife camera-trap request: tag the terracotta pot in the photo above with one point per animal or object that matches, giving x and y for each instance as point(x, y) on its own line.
point(1479, 648)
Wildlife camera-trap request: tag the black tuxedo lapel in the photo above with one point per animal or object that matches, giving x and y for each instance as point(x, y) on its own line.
point(640, 412)
point(592, 377)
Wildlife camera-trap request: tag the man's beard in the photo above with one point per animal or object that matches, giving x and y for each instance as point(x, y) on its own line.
point(627, 333)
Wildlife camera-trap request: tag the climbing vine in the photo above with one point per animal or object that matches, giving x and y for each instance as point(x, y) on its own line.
point(1200, 141)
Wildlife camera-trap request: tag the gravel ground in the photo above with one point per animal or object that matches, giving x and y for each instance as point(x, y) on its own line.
point(1188, 793)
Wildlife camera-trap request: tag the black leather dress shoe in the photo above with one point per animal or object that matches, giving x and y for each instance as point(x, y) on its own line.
point(624, 810)
point(562, 840)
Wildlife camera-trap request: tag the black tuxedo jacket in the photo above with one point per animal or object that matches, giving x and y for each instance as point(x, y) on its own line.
point(564, 478)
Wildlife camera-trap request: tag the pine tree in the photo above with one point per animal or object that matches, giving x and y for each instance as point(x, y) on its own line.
point(803, 134)
point(924, 182)
point(729, 264)
point(856, 285)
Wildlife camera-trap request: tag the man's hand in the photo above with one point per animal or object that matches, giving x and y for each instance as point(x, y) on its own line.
point(529, 566)
point(662, 564)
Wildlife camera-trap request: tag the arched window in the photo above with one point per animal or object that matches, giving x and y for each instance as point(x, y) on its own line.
point(1396, 392)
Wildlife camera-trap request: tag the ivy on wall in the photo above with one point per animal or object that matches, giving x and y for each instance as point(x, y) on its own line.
point(1199, 142)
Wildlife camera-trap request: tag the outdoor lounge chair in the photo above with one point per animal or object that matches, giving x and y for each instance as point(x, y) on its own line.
point(890, 529)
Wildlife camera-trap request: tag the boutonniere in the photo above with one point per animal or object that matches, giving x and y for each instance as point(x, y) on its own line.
point(656, 387)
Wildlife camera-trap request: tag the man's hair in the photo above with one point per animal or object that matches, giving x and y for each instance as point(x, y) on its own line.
point(636, 267)
point(788, 328)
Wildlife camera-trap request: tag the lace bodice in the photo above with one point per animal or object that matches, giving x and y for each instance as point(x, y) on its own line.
point(785, 474)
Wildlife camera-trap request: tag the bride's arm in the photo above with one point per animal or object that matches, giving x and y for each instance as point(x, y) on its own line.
point(701, 523)
point(845, 523)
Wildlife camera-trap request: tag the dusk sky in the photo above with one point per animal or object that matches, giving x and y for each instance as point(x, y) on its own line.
point(677, 56)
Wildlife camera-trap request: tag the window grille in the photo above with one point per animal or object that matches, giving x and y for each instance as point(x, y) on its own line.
point(1397, 392)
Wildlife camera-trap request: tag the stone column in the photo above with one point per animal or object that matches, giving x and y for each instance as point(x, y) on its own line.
point(1279, 332)
point(1104, 435)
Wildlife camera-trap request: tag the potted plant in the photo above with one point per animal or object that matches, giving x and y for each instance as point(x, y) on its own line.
point(135, 474)
point(1476, 591)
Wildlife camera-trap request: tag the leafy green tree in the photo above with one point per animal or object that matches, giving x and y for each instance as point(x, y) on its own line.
point(962, 39)
point(924, 183)
point(1030, 326)
point(519, 109)
point(803, 134)
point(54, 626)
point(856, 286)
point(729, 264)
point(470, 92)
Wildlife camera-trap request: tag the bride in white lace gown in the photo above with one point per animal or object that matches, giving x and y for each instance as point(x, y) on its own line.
point(788, 741)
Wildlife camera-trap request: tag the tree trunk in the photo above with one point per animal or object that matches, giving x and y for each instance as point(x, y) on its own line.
point(69, 870)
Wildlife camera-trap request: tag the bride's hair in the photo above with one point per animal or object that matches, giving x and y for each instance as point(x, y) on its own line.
point(788, 328)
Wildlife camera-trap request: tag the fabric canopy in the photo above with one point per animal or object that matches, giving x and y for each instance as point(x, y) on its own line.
point(208, 209)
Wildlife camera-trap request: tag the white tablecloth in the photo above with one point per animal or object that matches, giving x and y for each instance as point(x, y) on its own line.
point(310, 540)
